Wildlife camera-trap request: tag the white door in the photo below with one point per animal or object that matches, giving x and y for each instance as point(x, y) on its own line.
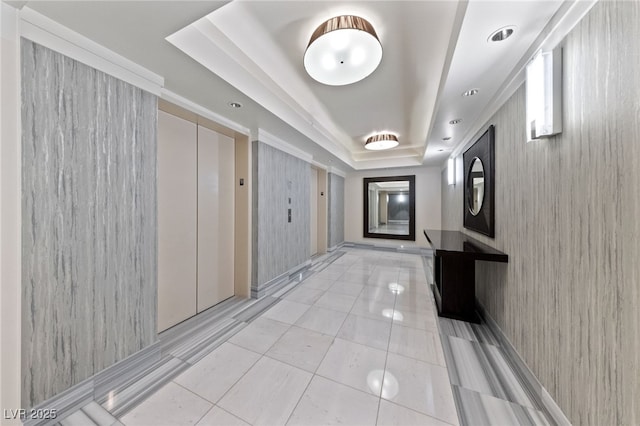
point(313, 194)
point(177, 213)
point(216, 162)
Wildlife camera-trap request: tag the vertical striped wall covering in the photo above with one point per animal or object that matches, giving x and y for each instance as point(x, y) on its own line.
point(279, 245)
point(567, 213)
point(89, 221)
point(336, 210)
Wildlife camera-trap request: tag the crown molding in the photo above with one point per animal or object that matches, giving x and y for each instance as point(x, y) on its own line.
point(277, 143)
point(198, 109)
point(49, 33)
point(338, 172)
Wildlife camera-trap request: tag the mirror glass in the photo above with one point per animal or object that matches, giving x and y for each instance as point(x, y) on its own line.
point(389, 207)
point(475, 186)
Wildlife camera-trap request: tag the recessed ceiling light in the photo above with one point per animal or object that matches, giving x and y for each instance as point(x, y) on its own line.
point(502, 34)
point(235, 104)
point(343, 50)
point(440, 150)
point(455, 121)
point(448, 138)
point(470, 92)
point(381, 141)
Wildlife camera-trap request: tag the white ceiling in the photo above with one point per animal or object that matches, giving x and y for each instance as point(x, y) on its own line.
point(251, 52)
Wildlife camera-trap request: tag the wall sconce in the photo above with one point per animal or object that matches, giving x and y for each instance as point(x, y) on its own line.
point(451, 176)
point(544, 94)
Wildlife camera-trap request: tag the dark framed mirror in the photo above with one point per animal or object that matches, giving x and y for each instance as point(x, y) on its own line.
point(389, 207)
point(479, 192)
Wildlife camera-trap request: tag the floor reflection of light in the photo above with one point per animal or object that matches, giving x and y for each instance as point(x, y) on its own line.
point(393, 314)
point(390, 387)
point(381, 382)
point(110, 400)
point(374, 381)
point(396, 288)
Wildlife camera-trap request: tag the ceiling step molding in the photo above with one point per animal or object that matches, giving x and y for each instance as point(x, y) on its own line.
point(210, 46)
point(564, 20)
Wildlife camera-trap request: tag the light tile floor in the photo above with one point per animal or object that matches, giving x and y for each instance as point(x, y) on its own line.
point(353, 341)
point(356, 344)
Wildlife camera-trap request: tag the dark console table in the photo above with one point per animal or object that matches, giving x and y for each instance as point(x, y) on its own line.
point(454, 272)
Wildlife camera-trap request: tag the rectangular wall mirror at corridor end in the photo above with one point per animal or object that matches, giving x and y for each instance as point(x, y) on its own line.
point(479, 185)
point(389, 207)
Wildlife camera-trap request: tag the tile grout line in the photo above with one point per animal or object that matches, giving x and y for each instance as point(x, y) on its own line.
point(314, 374)
point(334, 337)
point(386, 356)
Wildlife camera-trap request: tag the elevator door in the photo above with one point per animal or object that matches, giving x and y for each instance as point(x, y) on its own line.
point(215, 217)
point(177, 214)
point(196, 206)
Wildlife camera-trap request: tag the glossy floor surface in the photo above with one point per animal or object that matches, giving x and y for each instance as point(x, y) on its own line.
point(354, 341)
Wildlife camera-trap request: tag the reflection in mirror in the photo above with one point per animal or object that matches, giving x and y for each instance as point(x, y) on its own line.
point(389, 207)
point(475, 186)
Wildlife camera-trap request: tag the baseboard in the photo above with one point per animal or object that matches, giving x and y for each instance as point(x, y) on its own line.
point(69, 401)
point(275, 284)
point(422, 251)
point(63, 404)
point(535, 388)
point(336, 247)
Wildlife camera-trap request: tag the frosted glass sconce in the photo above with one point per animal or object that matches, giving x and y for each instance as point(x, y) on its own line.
point(544, 95)
point(451, 176)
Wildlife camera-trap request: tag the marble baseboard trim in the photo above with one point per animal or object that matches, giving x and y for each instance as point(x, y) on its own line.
point(256, 309)
point(549, 407)
point(323, 260)
point(326, 260)
point(176, 334)
point(280, 281)
point(478, 409)
point(119, 401)
point(317, 265)
point(422, 251)
point(466, 330)
point(90, 415)
point(197, 345)
point(482, 368)
point(123, 371)
point(98, 386)
point(336, 247)
point(65, 403)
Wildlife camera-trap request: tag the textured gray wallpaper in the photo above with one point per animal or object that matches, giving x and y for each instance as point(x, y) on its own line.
point(277, 244)
point(89, 221)
point(336, 210)
point(567, 213)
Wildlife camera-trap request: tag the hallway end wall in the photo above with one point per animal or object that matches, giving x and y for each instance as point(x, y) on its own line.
point(428, 209)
